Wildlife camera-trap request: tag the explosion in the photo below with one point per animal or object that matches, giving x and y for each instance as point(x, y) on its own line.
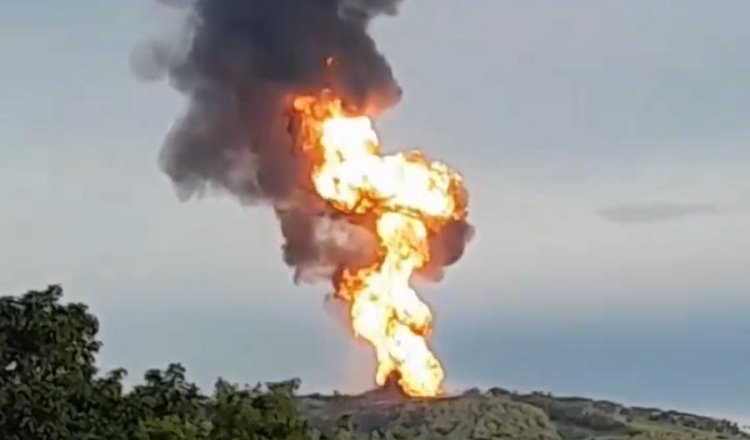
point(280, 99)
point(409, 198)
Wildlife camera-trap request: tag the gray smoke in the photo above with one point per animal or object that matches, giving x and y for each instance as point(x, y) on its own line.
point(239, 63)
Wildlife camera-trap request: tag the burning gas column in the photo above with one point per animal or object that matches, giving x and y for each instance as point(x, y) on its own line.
point(410, 199)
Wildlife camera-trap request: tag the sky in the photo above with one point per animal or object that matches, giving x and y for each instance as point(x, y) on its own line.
point(605, 146)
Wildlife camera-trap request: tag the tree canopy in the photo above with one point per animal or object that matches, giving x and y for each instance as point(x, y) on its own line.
point(50, 387)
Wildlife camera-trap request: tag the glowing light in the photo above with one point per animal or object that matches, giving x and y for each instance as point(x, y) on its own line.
point(410, 197)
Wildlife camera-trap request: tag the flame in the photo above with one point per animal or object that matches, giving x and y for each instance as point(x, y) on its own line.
point(409, 197)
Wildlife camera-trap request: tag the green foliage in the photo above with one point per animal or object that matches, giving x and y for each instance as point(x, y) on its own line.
point(50, 389)
point(245, 414)
point(47, 378)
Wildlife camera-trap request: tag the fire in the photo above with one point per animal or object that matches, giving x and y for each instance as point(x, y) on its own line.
point(409, 198)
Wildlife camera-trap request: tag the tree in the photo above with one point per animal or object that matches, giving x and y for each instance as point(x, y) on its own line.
point(47, 383)
point(268, 412)
point(50, 389)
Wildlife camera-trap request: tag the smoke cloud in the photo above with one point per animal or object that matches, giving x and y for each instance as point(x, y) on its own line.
point(239, 63)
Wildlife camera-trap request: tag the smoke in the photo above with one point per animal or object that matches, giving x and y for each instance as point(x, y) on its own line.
point(239, 62)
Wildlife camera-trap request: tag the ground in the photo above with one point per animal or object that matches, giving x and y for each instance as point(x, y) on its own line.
point(499, 414)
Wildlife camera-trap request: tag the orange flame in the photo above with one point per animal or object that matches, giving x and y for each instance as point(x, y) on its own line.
point(410, 198)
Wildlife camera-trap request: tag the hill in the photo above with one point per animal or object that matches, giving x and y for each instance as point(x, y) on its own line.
point(500, 414)
point(52, 389)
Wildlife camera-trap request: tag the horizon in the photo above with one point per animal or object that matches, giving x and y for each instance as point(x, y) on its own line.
point(604, 148)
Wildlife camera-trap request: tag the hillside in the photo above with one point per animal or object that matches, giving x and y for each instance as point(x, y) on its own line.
point(52, 389)
point(499, 414)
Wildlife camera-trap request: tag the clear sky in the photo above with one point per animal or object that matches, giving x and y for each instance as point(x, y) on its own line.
point(605, 144)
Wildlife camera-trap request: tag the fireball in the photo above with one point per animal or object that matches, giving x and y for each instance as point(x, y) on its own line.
point(410, 198)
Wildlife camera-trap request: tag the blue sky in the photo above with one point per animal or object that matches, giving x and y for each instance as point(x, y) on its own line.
point(605, 145)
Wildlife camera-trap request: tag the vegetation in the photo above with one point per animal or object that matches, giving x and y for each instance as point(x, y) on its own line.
point(50, 389)
point(500, 414)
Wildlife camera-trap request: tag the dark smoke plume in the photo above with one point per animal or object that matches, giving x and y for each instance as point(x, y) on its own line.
point(239, 64)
